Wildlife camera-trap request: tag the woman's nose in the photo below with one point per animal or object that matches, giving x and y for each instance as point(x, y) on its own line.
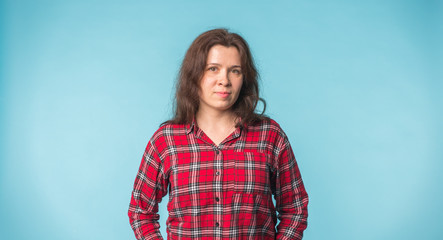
point(224, 78)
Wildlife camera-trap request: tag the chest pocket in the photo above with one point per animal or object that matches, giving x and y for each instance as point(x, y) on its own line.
point(252, 173)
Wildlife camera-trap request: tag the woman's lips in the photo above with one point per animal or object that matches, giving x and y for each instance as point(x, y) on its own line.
point(223, 94)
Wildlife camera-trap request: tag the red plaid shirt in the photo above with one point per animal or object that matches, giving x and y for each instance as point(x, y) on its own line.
point(220, 192)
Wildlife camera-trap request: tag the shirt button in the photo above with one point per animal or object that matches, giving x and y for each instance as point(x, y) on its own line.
point(217, 151)
point(216, 224)
point(217, 173)
point(217, 199)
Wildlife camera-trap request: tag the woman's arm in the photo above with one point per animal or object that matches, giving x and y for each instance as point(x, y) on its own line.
point(291, 197)
point(149, 188)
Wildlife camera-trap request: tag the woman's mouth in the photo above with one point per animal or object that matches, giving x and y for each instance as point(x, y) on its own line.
point(223, 94)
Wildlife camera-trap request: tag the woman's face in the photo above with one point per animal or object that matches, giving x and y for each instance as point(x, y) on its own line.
point(222, 79)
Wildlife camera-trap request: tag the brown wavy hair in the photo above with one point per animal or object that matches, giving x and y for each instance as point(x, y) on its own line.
point(192, 70)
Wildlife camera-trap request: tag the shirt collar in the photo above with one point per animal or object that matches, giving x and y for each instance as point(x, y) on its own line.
point(192, 127)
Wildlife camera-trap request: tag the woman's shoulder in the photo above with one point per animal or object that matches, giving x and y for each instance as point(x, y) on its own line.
point(169, 130)
point(267, 124)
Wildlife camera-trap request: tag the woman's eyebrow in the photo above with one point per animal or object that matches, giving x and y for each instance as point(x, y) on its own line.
point(217, 64)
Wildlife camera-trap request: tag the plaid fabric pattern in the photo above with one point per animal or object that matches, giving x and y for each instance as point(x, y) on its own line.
point(220, 192)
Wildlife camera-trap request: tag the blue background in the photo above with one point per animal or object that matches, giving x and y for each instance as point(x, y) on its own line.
point(355, 84)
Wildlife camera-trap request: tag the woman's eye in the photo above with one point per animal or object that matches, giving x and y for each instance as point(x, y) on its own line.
point(212, 69)
point(236, 71)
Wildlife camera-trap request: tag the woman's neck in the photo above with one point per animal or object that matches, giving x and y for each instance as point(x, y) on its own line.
point(217, 126)
point(215, 120)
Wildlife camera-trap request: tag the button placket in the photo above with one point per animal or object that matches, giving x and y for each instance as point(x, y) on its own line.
point(218, 208)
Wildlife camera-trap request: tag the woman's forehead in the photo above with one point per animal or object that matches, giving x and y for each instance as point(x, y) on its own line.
point(221, 55)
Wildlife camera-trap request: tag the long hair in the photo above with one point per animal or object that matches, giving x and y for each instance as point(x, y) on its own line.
point(192, 70)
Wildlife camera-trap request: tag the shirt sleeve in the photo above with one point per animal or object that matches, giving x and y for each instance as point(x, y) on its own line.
point(149, 188)
point(291, 197)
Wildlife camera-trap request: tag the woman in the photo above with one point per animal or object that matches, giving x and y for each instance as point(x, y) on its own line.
point(221, 161)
